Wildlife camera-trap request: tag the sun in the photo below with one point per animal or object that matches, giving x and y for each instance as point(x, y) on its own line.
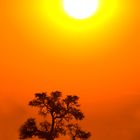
point(80, 9)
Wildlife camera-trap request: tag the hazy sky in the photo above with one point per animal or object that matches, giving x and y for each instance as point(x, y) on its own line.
point(41, 49)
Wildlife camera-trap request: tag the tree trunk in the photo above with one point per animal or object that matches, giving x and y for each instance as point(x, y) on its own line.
point(52, 127)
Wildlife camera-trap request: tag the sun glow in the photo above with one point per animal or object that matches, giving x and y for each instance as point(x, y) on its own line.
point(80, 9)
point(71, 15)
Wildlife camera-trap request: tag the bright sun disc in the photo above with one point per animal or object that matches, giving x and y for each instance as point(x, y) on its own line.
point(80, 9)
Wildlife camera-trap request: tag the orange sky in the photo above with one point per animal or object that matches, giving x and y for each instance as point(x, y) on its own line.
point(99, 60)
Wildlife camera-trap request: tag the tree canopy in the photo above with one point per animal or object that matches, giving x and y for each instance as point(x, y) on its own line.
point(61, 117)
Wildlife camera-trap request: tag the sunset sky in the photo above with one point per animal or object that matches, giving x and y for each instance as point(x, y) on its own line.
point(42, 49)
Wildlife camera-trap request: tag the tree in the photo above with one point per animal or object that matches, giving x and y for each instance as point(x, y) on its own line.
point(60, 118)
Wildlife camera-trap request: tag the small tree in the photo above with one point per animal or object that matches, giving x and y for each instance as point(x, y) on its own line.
point(61, 116)
point(76, 132)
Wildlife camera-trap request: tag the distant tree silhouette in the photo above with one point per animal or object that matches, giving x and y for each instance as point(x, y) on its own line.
point(60, 118)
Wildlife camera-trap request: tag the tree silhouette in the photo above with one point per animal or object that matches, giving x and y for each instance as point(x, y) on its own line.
point(60, 118)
